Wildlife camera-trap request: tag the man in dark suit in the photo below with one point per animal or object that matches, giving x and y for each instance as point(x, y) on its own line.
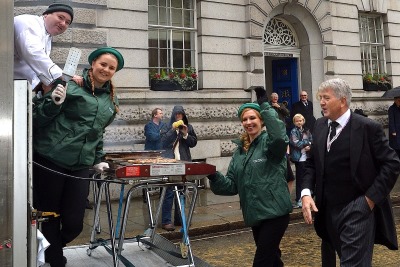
point(305, 108)
point(351, 171)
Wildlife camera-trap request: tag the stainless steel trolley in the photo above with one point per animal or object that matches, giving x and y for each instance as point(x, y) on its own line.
point(154, 173)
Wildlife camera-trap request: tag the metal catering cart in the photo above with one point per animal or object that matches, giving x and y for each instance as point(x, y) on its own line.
point(144, 170)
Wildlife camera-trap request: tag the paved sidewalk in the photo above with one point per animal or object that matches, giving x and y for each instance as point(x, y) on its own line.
point(212, 214)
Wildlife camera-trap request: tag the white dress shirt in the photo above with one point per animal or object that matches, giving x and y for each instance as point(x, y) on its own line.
point(32, 47)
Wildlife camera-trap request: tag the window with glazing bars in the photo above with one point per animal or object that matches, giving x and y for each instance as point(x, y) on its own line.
point(171, 34)
point(372, 44)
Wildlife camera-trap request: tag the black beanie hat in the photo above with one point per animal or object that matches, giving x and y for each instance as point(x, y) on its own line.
point(61, 8)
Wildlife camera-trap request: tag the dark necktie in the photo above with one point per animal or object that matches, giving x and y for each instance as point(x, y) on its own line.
point(333, 126)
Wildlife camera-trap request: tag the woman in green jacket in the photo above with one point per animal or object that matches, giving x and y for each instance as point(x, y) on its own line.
point(257, 172)
point(68, 128)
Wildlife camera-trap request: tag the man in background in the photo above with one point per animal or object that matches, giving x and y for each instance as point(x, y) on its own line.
point(152, 130)
point(394, 125)
point(305, 108)
point(280, 108)
point(153, 139)
point(32, 44)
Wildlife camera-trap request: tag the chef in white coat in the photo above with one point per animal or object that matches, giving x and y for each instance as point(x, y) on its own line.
point(32, 44)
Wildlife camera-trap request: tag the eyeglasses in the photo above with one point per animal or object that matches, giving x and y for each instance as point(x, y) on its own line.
point(303, 95)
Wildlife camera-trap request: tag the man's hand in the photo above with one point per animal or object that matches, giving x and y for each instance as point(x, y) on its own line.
point(78, 79)
point(308, 205)
point(183, 129)
point(276, 105)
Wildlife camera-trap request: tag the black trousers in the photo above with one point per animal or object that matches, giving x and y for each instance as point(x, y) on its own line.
point(67, 196)
point(268, 236)
point(300, 169)
point(328, 254)
point(351, 230)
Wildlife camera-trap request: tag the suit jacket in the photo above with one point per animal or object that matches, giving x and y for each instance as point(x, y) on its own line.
point(307, 112)
point(374, 170)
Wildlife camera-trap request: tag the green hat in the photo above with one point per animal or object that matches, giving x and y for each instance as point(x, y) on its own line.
point(100, 51)
point(254, 106)
point(60, 8)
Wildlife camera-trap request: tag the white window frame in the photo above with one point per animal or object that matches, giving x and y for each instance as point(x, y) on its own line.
point(372, 44)
point(167, 27)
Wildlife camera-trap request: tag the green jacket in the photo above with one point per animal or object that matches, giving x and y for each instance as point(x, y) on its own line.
point(71, 134)
point(259, 176)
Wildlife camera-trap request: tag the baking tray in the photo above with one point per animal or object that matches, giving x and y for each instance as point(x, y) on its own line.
point(138, 154)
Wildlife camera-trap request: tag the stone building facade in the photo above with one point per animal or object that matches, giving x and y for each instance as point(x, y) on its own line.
point(237, 44)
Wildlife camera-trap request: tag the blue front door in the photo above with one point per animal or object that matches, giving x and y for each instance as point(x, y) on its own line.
point(285, 81)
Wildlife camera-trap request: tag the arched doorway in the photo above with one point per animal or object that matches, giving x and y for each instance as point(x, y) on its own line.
point(295, 35)
point(281, 59)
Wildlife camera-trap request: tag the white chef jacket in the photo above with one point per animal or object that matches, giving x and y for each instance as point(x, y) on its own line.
point(32, 47)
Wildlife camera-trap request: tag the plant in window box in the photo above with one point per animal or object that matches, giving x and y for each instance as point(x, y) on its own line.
point(376, 82)
point(187, 79)
point(164, 81)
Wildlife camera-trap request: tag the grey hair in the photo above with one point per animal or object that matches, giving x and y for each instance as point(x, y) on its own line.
point(275, 94)
point(340, 88)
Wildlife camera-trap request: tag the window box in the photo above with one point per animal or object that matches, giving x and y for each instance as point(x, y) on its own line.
point(376, 82)
point(376, 87)
point(164, 85)
point(172, 80)
point(189, 85)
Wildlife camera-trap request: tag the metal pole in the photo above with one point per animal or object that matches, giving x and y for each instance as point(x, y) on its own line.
point(21, 220)
point(6, 124)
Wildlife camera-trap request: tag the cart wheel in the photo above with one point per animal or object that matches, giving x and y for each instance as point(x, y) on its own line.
point(89, 252)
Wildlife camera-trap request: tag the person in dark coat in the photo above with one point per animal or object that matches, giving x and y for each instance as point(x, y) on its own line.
point(152, 130)
point(176, 138)
point(394, 125)
point(305, 108)
point(351, 171)
point(280, 108)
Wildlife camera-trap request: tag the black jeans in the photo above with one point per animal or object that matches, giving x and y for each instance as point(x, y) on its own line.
point(268, 236)
point(53, 192)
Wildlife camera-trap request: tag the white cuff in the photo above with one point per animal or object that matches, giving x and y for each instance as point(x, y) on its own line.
point(305, 192)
